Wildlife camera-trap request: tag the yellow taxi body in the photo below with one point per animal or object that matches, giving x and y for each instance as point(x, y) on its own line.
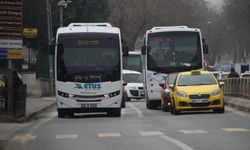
point(194, 96)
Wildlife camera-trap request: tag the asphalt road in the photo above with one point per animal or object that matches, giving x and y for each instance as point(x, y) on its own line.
point(137, 129)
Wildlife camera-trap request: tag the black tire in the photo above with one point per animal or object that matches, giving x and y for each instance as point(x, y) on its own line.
point(123, 104)
point(221, 110)
point(174, 111)
point(164, 108)
point(61, 113)
point(70, 114)
point(114, 112)
point(149, 105)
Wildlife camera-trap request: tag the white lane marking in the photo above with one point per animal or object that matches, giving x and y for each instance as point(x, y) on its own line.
point(43, 121)
point(167, 138)
point(66, 136)
point(49, 98)
point(238, 112)
point(235, 129)
point(24, 138)
point(138, 111)
point(181, 145)
point(192, 131)
point(112, 134)
point(151, 133)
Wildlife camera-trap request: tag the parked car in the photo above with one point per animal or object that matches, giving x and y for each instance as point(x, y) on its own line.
point(134, 87)
point(197, 90)
point(166, 91)
point(245, 75)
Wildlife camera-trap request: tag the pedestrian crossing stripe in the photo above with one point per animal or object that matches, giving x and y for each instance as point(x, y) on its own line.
point(24, 138)
point(111, 134)
point(66, 136)
point(192, 131)
point(151, 133)
point(236, 129)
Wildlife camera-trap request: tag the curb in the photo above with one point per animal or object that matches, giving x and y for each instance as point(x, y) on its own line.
point(28, 116)
point(238, 103)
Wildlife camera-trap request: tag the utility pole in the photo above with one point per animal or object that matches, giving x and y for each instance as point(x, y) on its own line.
point(49, 23)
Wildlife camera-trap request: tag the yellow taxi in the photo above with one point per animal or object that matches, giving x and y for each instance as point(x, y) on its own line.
point(197, 90)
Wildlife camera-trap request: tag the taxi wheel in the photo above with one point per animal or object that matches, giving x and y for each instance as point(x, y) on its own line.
point(222, 110)
point(175, 112)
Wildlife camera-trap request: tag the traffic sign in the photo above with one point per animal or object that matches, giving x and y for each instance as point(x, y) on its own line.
point(30, 32)
point(15, 54)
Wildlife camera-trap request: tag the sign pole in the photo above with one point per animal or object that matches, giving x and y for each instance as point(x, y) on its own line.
point(10, 83)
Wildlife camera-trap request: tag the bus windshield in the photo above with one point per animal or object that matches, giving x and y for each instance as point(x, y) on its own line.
point(174, 51)
point(132, 62)
point(88, 57)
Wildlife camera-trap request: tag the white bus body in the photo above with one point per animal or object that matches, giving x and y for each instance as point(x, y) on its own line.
point(168, 50)
point(88, 69)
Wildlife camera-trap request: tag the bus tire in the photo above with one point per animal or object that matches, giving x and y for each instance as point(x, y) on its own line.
point(61, 113)
point(149, 105)
point(116, 112)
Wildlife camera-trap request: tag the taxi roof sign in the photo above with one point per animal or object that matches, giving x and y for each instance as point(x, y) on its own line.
point(195, 72)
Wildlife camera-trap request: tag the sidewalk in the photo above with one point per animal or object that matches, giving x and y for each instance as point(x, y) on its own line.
point(34, 106)
point(238, 103)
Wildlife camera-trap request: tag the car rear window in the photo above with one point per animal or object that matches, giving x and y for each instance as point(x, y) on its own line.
point(202, 79)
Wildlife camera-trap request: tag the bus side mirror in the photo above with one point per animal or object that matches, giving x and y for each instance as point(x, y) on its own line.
point(125, 51)
point(143, 50)
point(205, 48)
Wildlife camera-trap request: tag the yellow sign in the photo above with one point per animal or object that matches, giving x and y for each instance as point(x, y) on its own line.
point(15, 54)
point(30, 32)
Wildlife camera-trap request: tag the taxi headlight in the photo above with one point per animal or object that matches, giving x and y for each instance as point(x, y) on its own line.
point(216, 92)
point(181, 94)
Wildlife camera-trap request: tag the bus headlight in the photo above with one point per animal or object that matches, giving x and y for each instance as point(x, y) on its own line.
point(63, 94)
point(181, 94)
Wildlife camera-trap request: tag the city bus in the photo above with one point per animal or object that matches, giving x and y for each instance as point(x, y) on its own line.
point(169, 50)
point(88, 69)
point(133, 61)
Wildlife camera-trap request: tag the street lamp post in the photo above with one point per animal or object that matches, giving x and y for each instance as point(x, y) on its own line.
point(62, 4)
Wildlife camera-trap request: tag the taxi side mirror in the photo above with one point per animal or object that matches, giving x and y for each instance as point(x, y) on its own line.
point(171, 86)
point(221, 83)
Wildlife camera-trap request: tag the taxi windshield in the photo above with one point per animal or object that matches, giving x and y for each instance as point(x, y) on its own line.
point(201, 79)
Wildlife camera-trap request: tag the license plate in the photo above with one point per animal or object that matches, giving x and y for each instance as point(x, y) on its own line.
point(88, 105)
point(200, 100)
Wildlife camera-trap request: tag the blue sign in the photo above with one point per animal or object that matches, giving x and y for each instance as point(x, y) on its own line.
point(88, 86)
point(3, 53)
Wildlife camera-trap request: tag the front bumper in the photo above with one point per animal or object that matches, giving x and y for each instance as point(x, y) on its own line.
point(213, 102)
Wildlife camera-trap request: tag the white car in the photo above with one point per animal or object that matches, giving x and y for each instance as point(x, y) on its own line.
point(134, 87)
point(245, 75)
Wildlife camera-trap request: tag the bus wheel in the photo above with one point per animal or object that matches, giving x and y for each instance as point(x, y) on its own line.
point(61, 113)
point(114, 112)
point(149, 105)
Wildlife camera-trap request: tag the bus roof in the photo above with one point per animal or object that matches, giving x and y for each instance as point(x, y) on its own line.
point(172, 29)
point(89, 27)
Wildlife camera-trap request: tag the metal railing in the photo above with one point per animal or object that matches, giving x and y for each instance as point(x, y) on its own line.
point(237, 87)
point(17, 105)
